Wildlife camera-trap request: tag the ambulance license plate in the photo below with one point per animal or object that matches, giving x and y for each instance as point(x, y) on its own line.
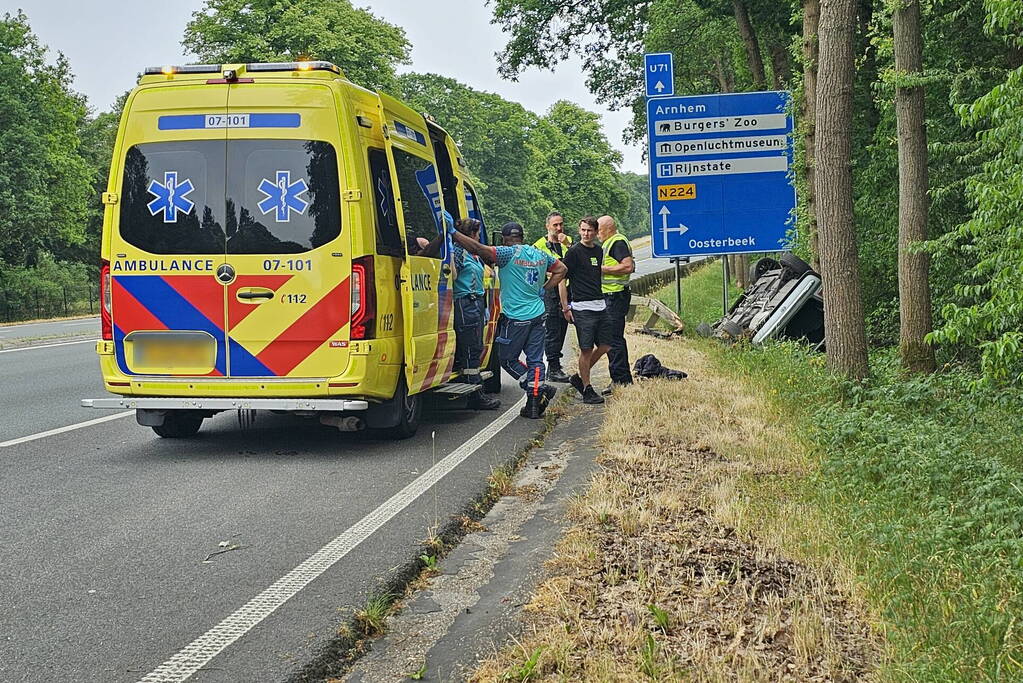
point(174, 353)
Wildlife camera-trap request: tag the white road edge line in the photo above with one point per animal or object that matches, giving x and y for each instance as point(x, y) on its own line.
point(49, 346)
point(200, 651)
point(61, 430)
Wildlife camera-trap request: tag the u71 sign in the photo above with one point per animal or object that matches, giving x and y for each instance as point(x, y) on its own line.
point(719, 173)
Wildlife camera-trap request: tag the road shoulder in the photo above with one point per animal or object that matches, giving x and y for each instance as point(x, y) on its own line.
point(470, 608)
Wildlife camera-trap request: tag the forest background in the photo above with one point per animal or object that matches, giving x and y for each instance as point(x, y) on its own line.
point(57, 145)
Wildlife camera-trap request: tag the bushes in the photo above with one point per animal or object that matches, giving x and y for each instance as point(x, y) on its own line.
point(48, 290)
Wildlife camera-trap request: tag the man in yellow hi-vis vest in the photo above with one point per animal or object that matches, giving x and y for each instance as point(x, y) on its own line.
point(617, 267)
point(555, 243)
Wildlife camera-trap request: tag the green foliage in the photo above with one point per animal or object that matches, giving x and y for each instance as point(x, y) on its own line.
point(49, 288)
point(44, 181)
point(987, 311)
point(528, 165)
point(365, 47)
point(493, 136)
point(920, 477)
point(635, 222)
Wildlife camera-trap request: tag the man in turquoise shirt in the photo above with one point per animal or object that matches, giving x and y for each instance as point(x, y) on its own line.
point(525, 273)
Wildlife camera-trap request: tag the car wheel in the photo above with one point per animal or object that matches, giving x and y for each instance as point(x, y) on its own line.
point(410, 410)
point(794, 264)
point(493, 385)
point(731, 329)
point(179, 425)
point(761, 266)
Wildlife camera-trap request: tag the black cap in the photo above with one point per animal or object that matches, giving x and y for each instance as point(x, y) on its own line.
point(512, 229)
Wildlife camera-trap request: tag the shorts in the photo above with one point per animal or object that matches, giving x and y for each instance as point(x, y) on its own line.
point(592, 329)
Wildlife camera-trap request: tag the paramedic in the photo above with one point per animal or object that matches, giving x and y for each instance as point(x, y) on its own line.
point(470, 315)
point(525, 273)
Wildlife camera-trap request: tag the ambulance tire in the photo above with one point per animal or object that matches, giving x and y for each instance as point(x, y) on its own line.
point(410, 410)
point(179, 424)
point(493, 385)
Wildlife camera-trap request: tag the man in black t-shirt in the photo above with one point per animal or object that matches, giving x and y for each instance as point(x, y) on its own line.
point(582, 303)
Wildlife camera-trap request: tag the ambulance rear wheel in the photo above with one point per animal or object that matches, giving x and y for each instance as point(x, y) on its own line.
point(410, 410)
point(493, 385)
point(179, 425)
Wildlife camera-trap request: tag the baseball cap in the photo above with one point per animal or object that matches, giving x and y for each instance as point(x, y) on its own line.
point(512, 229)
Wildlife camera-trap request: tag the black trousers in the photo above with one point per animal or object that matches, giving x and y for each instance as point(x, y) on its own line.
point(555, 329)
point(618, 355)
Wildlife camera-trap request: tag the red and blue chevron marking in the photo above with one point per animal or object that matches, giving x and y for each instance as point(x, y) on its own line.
point(176, 302)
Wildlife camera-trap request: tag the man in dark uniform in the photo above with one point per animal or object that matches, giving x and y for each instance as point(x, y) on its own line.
point(554, 244)
point(617, 267)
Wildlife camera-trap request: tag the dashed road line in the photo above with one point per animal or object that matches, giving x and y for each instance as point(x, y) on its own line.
point(200, 651)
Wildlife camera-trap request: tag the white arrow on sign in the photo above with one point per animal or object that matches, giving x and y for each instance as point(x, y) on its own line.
point(659, 87)
point(680, 230)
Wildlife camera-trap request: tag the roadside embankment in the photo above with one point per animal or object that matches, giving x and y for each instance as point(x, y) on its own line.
point(765, 520)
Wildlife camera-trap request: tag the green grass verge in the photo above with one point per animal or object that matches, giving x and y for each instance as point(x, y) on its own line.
point(921, 483)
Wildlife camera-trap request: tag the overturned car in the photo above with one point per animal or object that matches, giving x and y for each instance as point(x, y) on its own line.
point(783, 301)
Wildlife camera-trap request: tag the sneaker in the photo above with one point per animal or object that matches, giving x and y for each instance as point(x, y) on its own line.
point(591, 396)
point(577, 383)
point(557, 375)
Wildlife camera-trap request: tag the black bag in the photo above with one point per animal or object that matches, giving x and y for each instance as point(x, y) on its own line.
point(648, 366)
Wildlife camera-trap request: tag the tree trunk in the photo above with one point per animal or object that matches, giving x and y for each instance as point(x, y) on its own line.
point(749, 39)
point(914, 288)
point(843, 303)
point(780, 65)
point(811, 22)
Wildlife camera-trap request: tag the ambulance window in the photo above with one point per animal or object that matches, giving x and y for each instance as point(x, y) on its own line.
point(420, 205)
point(283, 196)
point(172, 197)
point(474, 207)
point(388, 235)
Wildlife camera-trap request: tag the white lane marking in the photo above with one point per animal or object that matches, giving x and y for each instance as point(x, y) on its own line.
point(50, 346)
point(49, 322)
point(61, 430)
point(200, 651)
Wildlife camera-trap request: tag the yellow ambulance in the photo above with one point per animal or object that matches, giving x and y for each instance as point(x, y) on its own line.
point(273, 239)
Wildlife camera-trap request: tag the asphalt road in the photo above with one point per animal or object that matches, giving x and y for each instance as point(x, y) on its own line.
point(107, 530)
point(50, 330)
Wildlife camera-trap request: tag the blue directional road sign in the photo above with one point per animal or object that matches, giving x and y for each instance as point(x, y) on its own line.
point(719, 173)
point(660, 74)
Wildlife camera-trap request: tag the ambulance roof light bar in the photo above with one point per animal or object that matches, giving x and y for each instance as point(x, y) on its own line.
point(186, 69)
point(293, 66)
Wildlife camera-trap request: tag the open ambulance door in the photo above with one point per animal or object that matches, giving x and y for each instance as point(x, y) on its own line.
point(427, 291)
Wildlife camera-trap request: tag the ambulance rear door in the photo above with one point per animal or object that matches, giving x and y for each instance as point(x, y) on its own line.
point(289, 303)
point(166, 238)
point(426, 273)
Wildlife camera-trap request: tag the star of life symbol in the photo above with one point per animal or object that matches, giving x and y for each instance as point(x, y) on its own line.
point(171, 197)
point(282, 196)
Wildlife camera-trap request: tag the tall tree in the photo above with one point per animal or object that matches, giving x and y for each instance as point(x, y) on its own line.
point(752, 43)
point(365, 47)
point(843, 303)
point(44, 181)
point(811, 25)
point(914, 264)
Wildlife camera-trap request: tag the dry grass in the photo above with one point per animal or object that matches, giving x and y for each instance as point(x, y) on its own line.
point(683, 561)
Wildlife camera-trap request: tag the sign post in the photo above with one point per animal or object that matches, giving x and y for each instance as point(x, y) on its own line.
point(660, 74)
point(719, 173)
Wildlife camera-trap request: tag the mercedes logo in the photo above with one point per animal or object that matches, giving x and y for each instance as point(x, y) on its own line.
point(225, 274)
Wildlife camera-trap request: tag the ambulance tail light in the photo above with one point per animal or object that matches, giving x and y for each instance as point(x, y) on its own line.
point(106, 319)
point(364, 299)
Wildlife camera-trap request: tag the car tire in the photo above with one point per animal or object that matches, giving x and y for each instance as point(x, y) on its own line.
point(794, 264)
point(179, 424)
point(730, 328)
point(761, 266)
point(493, 384)
point(410, 410)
